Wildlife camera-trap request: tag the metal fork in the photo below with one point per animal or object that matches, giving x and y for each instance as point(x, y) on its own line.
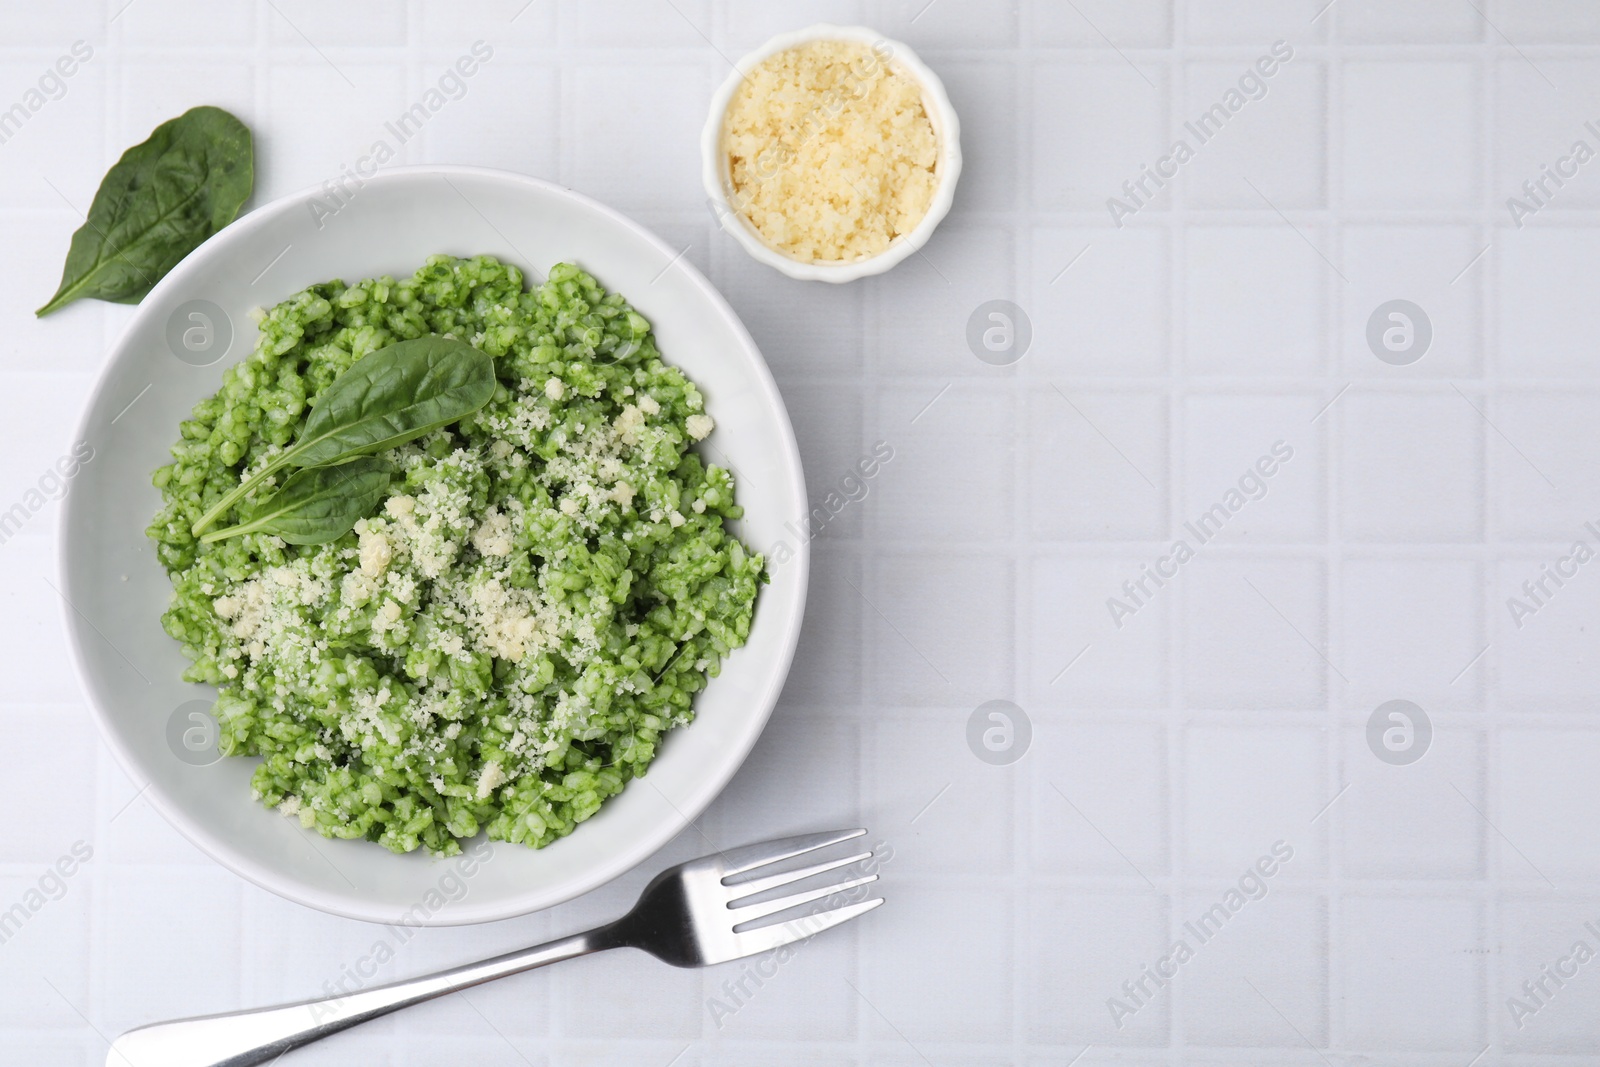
point(689, 916)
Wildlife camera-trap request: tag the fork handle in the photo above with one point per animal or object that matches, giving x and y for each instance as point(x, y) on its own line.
point(242, 1038)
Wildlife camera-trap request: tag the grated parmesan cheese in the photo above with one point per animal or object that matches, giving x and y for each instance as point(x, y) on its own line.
point(375, 550)
point(830, 151)
point(491, 777)
point(493, 536)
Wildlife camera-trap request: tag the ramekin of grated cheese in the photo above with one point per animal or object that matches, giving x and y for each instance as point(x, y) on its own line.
point(831, 153)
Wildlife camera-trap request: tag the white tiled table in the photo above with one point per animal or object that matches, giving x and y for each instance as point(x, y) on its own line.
point(1227, 713)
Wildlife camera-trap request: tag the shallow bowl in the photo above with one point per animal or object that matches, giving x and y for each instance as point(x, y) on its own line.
point(195, 323)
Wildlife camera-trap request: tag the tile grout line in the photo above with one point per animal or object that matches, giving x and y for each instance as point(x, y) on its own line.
point(1024, 566)
point(1174, 740)
point(1176, 746)
point(1488, 363)
point(1332, 832)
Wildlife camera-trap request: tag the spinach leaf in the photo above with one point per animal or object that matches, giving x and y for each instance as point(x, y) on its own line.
point(161, 199)
point(318, 504)
point(395, 395)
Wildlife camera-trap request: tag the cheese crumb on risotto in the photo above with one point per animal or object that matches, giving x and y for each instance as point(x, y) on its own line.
point(699, 427)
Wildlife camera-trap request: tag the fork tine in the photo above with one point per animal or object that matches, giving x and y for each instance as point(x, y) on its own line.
point(779, 934)
point(751, 912)
point(773, 881)
point(739, 860)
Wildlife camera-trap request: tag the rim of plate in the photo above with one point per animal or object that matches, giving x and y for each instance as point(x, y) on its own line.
point(264, 876)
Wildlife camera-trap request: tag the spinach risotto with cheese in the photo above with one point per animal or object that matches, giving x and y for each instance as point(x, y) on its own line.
point(485, 624)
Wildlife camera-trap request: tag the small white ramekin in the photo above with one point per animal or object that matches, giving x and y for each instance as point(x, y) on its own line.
point(719, 184)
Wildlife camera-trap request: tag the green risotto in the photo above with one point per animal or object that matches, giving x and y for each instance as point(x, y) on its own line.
point(502, 643)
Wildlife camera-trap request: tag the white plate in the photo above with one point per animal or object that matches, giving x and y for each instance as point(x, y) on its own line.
point(116, 591)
